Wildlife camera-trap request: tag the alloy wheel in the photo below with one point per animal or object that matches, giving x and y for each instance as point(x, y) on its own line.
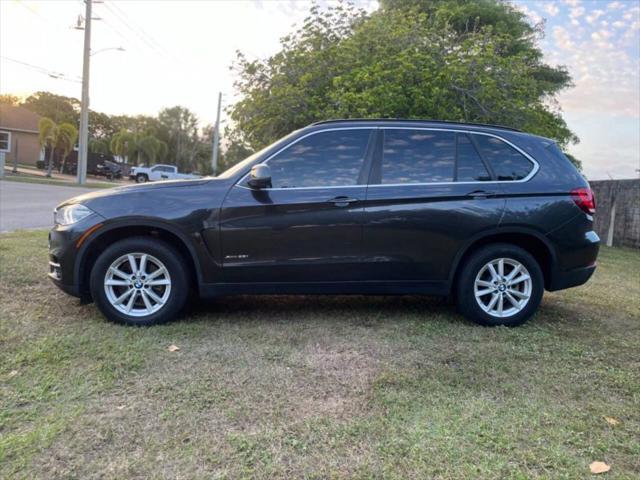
point(137, 284)
point(503, 287)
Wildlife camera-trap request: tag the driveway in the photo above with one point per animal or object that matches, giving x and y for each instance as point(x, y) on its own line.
point(30, 205)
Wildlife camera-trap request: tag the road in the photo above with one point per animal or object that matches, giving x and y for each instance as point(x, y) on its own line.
point(30, 205)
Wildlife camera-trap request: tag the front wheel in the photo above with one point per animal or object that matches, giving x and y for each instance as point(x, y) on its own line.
point(139, 281)
point(500, 284)
point(141, 178)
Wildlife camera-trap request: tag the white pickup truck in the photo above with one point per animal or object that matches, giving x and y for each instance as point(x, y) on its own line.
point(158, 172)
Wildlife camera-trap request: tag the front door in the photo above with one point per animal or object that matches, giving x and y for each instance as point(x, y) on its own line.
point(308, 226)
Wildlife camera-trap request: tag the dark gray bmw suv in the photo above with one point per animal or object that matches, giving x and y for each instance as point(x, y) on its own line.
point(490, 215)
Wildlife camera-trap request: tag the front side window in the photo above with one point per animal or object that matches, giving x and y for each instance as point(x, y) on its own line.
point(418, 156)
point(506, 162)
point(325, 159)
point(470, 165)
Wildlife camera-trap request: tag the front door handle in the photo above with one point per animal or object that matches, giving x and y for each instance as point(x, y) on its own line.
point(342, 201)
point(479, 194)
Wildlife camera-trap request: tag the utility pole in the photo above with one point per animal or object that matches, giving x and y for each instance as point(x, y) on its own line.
point(216, 138)
point(84, 105)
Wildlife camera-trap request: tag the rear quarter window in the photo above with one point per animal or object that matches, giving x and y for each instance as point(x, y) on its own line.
point(506, 162)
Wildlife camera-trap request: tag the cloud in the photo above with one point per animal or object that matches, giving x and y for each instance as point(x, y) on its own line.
point(562, 38)
point(618, 24)
point(632, 13)
point(615, 5)
point(571, 3)
point(595, 14)
point(532, 14)
point(576, 12)
point(601, 38)
point(551, 8)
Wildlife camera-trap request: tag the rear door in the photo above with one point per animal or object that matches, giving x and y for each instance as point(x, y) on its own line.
point(430, 192)
point(308, 227)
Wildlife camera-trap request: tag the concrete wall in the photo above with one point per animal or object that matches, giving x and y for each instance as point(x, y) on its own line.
point(28, 148)
point(617, 219)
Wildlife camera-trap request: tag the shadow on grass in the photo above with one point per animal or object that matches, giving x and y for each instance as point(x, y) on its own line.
point(346, 309)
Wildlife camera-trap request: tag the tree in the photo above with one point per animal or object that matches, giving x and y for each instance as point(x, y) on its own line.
point(120, 143)
point(458, 60)
point(56, 137)
point(46, 137)
point(147, 148)
point(143, 147)
point(99, 145)
point(9, 99)
point(183, 141)
point(56, 107)
point(67, 137)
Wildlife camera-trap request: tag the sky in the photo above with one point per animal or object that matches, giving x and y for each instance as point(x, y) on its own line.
point(180, 53)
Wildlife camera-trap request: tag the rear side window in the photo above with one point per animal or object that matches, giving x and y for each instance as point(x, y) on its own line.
point(506, 161)
point(325, 159)
point(470, 166)
point(418, 156)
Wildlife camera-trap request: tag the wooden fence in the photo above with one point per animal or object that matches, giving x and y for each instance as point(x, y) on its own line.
point(617, 218)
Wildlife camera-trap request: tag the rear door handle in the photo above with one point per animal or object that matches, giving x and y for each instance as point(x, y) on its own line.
point(479, 194)
point(342, 201)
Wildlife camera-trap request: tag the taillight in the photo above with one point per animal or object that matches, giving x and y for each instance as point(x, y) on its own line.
point(585, 199)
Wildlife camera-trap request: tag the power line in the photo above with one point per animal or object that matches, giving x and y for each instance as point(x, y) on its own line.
point(43, 70)
point(123, 15)
point(138, 33)
point(45, 20)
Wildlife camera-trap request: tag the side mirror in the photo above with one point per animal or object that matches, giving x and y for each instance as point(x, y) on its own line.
point(260, 176)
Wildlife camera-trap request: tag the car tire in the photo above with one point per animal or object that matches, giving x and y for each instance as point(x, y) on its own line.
point(141, 178)
point(158, 297)
point(491, 297)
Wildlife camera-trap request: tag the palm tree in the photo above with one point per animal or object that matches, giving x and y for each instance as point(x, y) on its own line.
point(67, 136)
point(121, 144)
point(47, 138)
point(53, 136)
point(99, 145)
point(144, 147)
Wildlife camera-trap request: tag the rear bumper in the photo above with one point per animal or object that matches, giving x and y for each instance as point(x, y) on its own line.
point(571, 278)
point(576, 250)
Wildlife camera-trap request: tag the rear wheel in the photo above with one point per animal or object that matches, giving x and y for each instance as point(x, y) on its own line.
point(500, 284)
point(140, 281)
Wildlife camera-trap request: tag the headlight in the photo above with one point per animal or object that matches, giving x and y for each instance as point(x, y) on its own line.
point(71, 214)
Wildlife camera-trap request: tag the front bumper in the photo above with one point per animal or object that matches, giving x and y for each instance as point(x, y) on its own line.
point(63, 254)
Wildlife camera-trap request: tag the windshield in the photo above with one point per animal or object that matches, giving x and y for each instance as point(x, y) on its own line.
point(238, 167)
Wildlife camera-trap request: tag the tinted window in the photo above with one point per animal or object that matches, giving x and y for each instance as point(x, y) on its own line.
point(323, 159)
point(507, 162)
point(470, 166)
point(418, 156)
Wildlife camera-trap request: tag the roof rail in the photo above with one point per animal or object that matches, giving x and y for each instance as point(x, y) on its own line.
point(444, 122)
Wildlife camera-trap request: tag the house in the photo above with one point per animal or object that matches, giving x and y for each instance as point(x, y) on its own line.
point(19, 135)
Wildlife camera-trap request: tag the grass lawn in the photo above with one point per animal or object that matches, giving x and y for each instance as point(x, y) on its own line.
point(318, 387)
point(52, 181)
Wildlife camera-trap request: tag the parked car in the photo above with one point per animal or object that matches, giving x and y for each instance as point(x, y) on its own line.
point(489, 215)
point(158, 172)
point(108, 169)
